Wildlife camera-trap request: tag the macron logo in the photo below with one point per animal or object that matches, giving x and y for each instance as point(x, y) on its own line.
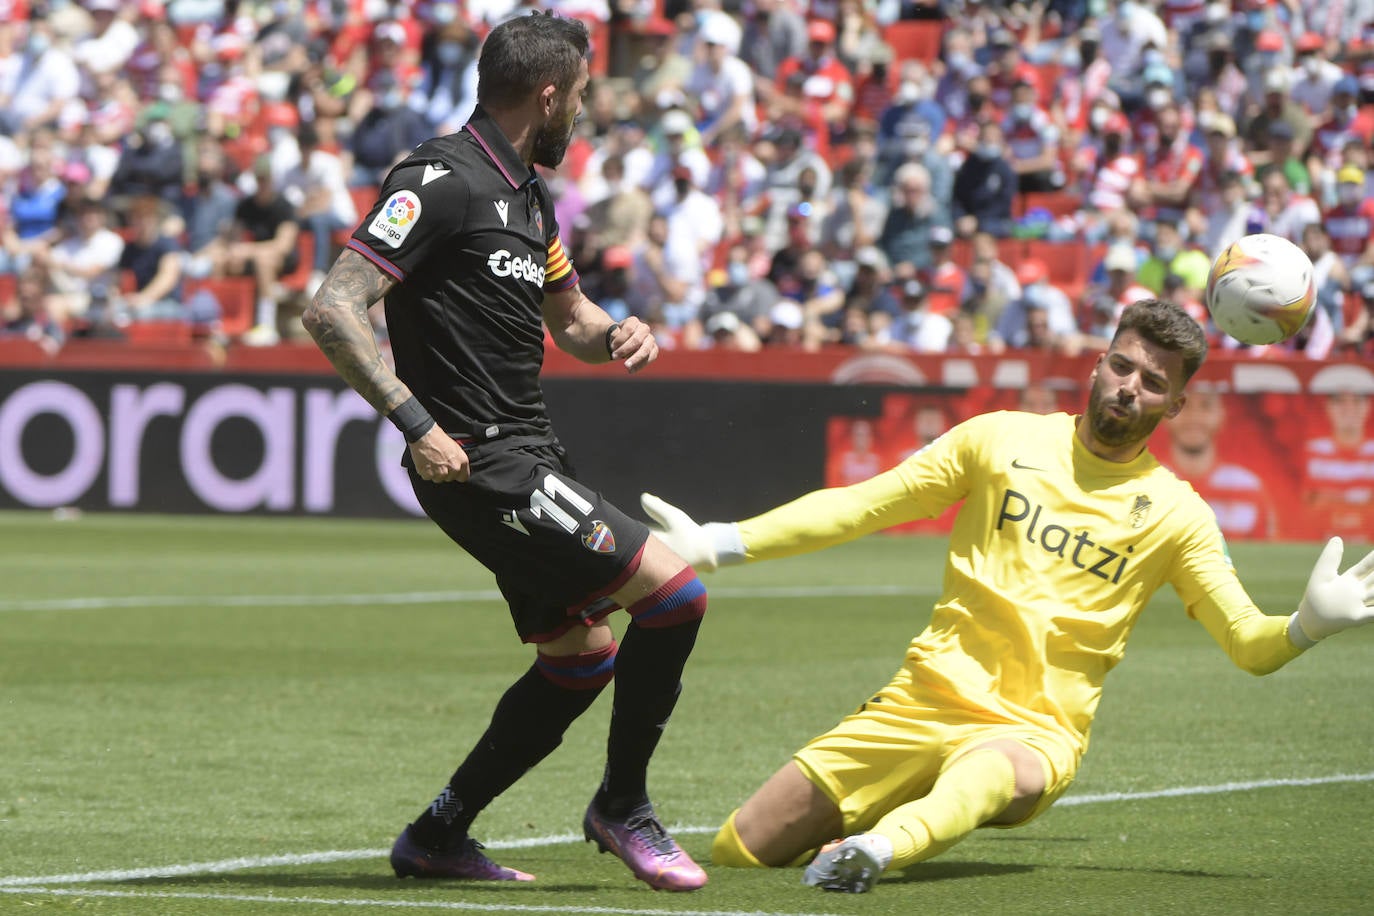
point(431, 173)
point(502, 210)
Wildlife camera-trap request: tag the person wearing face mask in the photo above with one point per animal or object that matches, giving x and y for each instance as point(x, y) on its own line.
point(1314, 77)
point(448, 75)
point(1169, 167)
point(151, 162)
point(1032, 142)
point(46, 81)
point(984, 186)
point(1346, 124)
point(1350, 223)
point(388, 131)
point(1170, 255)
point(1115, 169)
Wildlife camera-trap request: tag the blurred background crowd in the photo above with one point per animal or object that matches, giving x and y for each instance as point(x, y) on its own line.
point(906, 175)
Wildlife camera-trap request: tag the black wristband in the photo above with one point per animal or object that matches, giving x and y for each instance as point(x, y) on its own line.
point(610, 332)
point(411, 419)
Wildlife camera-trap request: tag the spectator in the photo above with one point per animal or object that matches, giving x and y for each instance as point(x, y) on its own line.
point(621, 215)
point(153, 262)
point(32, 313)
point(1032, 141)
point(680, 146)
point(985, 186)
point(663, 70)
point(1280, 211)
point(317, 188)
point(1169, 169)
point(447, 90)
point(740, 293)
point(855, 214)
point(1314, 78)
point(773, 32)
point(208, 210)
point(261, 243)
point(1345, 124)
point(1351, 223)
point(1170, 256)
point(46, 81)
point(827, 88)
point(1279, 153)
point(387, 132)
point(916, 327)
point(910, 126)
point(1227, 219)
point(1278, 106)
point(83, 267)
point(947, 280)
point(111, 42)
point(725, 331)
point(722, 82)
point(786, 187)
point(152, 162)
point(1114, 171)
point(1040, 318)
point(667, 287)
point(36, 205)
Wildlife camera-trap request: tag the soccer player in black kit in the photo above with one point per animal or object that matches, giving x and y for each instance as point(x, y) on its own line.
point(463, 245)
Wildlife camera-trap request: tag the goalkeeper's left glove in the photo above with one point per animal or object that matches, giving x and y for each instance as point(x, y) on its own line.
point(703, 546)
point(1334, 601)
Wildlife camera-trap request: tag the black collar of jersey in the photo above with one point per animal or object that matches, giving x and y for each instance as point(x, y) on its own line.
point(498, 148)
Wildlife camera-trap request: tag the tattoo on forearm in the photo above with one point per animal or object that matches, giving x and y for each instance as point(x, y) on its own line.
point(337, 320)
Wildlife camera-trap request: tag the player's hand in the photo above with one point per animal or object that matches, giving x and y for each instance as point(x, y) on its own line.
point(1336, 601)
point(633, 344)
point(438, 458)
point(676, 529)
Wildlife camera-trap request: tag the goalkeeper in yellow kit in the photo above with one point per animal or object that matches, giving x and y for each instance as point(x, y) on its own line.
point(1069, 525)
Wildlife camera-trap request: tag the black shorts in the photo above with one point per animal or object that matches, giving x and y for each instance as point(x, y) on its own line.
point(557, 548)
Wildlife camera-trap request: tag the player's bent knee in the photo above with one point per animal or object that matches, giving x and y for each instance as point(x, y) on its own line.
point(584, 671)
point(729, 851)
point(679, 600)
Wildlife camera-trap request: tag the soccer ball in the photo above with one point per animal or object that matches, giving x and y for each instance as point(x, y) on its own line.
point(1260, 289)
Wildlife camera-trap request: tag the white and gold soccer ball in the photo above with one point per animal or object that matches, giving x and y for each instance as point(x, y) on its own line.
point(1260, 289)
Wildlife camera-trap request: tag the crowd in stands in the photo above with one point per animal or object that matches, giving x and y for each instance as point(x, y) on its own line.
point(906, 175)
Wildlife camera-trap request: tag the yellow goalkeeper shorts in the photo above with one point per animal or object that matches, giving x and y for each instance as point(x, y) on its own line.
point(892, 749)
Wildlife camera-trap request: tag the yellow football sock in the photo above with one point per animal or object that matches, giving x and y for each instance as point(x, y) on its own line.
point(974, 789)
point(729, 850)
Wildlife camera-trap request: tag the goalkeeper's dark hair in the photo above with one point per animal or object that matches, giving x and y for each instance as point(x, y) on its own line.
point(523, 55)
point(1169, 326)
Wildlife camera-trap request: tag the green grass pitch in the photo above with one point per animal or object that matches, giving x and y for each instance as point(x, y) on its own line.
point(237, 716)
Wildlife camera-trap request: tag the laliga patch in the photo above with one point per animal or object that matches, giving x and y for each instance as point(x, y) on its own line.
point(396, 218)
point(601, 538)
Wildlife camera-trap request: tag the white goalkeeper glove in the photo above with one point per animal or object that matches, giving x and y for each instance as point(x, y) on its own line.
point(703, 546)
point(1334, 601)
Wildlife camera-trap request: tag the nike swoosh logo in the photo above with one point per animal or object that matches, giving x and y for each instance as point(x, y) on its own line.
point(432, 173)
point(1016, 463)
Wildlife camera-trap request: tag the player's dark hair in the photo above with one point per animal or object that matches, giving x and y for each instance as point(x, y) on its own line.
point(1166, 325)
point(523, 55)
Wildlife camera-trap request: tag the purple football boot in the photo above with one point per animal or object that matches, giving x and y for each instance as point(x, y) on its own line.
point(411, 860)
point(640, 841)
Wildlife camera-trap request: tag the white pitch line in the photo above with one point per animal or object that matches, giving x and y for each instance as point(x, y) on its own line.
point(384, 903)
point(114, 602)
point(38, 882)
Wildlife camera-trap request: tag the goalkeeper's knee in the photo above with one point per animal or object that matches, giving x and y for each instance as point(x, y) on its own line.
point(729, 850)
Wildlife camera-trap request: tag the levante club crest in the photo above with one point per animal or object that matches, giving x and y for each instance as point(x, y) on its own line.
point(601, 538)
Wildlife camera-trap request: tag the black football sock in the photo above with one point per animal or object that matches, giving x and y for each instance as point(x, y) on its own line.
point(648, 675)
point(527, 725)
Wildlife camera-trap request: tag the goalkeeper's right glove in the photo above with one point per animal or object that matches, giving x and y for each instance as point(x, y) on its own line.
point(703, 546)
point(1334, 601)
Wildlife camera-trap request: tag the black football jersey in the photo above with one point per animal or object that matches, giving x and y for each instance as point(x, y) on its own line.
point(468, 231)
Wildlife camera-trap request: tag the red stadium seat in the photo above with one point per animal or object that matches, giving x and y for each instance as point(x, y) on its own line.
point(1058, 203)
point(298, 279)
point(1068, 263)
point(915, 39)
point(236, 297)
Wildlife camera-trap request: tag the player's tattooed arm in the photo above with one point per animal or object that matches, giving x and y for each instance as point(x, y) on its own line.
point(337, 320)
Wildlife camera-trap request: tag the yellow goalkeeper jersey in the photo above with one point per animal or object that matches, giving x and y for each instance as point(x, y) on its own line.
point(1053, 556)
